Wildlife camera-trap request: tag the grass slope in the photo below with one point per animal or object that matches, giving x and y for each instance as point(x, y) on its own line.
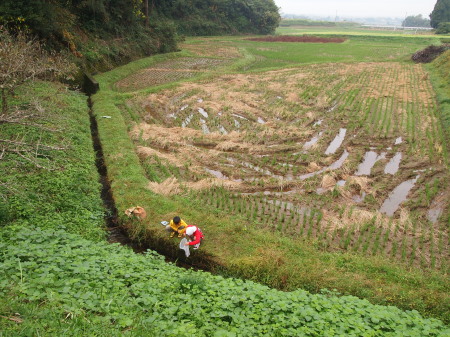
point(66, 189)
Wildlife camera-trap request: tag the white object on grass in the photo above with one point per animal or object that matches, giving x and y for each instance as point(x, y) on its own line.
point(164, 223)
point(184, 247)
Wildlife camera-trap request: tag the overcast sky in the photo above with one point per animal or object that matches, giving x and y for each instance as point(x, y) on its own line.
point(357, 8)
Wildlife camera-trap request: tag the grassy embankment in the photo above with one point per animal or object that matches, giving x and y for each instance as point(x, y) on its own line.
point(440, 76)
point(54, 184)
point(243, 250)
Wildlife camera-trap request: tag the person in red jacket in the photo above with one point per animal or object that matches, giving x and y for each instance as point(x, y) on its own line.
point(195, 236)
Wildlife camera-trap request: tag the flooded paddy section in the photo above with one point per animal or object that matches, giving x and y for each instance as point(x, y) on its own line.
point(246, 151)
point(370, 158)
point(397, 196)
point(394, 163)
point(337, 141)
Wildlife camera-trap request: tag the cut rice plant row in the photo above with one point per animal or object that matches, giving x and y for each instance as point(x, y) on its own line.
point(372, 237)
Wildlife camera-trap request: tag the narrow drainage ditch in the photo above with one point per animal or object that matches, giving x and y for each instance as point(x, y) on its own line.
point(117, 233)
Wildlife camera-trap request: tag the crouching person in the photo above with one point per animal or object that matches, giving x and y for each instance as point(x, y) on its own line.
point(195, 236)
point(175, 226)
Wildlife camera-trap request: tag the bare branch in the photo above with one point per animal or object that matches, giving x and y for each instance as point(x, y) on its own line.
point(45, 147)
point(33, 161)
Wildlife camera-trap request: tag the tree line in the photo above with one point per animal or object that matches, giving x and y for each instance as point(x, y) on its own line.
point(54, 19)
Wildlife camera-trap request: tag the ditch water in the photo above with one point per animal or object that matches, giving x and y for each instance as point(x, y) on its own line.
point(397, 196)
point(337, 141)
point(393, 165)
point(370, 158)
point(111, 215)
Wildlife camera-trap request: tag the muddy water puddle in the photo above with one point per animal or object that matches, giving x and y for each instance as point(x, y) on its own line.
point(397, 196)
point(261, 170)
point(321, 190)
point(239, 116)
point(310, 143)
point(203, 112)
point(273, 193)
point(302, 210)
point(333, 108)
point(187, 121)
point(393, 165)
point(337, 164)
point(337, 141)
point(223, 130)
point(434, 214)
point(205, 128)
point(436, 209)
point(319, 122)
point(340, 183)
point(217, 174)
point(359, 198)
point(370, 158)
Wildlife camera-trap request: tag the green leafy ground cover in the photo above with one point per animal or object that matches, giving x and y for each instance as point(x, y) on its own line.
point(137, 293)
point(57, 182)
point(250, 252)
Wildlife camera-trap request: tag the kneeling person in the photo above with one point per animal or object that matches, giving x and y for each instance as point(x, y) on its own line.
point(176, 225)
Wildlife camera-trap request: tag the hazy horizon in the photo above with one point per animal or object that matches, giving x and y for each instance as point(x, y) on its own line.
point(357, 8)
